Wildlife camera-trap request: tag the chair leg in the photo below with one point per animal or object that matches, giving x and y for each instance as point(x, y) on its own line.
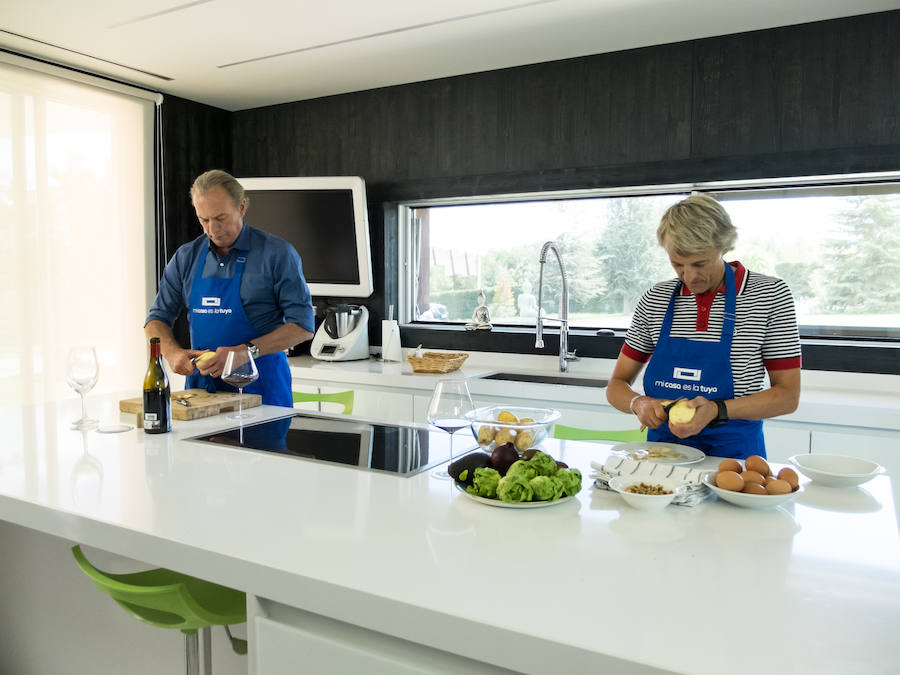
point(192, 654)
point(206, 641)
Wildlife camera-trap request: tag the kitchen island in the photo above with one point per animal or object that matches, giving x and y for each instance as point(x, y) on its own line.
point(408, 574)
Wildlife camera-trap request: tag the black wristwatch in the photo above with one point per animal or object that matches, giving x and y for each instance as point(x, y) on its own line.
point(722, 416)
point(254, 350)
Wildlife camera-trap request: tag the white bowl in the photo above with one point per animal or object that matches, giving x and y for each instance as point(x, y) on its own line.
point(646, 502)
point(487, 430)
point(836, 470)
point(748, 501)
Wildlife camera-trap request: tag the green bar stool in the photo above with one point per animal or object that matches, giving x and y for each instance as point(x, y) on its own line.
point(168, 599)
point(345, 398)
point(565, 433)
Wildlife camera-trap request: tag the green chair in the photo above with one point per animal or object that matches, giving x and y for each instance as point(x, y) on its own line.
point(345, 398)
point(168, 599)
point(565, 433)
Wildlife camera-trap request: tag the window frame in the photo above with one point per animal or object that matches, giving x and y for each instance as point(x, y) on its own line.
point(824, 348)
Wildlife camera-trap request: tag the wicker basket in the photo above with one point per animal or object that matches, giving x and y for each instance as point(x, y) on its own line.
point(436, 362)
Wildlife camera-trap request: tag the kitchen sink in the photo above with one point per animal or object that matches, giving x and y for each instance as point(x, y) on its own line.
point(548, 379)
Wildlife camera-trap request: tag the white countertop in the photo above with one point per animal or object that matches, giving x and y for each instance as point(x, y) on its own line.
point(850, 399)
point(577, 587)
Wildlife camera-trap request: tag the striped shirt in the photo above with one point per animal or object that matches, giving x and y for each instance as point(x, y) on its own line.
point(765, 331)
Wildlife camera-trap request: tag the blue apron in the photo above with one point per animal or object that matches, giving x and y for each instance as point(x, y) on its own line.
point(681, 367)
point(216, 318)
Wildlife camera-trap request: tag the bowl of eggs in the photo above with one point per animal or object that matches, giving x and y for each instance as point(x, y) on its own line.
point(646, 495)
point(524, 427)
point(752, 485)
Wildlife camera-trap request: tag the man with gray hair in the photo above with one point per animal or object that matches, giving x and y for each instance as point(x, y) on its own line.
point(243, 289)
point(709, 336)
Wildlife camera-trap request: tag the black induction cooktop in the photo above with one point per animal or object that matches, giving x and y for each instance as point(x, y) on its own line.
point(397, 449)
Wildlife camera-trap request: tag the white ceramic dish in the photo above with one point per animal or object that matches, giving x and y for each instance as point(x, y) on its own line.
point(646, 502)
point(658, 453)
point(746, 500)
point(511, 505)
point(488, 432)
point(836, 470)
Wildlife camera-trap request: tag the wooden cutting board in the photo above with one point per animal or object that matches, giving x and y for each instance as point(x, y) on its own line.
point(202, 404)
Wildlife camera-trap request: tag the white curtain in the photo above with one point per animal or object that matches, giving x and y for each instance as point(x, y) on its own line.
point(76, 232)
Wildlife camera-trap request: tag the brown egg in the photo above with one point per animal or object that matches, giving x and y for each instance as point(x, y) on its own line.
point(790, 476)
point(754, 489)
point(753, 477)
point(729, 480)
point(757, 463)
point(730, 465)
point(778, 487)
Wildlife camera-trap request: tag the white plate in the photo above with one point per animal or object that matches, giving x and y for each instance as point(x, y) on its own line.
point(746, 500)
point(836, 470)
point(511, 505)
point(673, 453)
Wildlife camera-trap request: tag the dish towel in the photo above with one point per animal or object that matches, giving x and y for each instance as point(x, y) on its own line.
point(695, 493)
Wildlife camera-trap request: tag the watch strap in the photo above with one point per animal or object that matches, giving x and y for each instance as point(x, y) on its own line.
point(721, 416)
point(254, 350)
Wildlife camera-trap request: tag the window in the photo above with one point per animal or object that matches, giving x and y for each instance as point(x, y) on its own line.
point(76, 221)
point(836, 245)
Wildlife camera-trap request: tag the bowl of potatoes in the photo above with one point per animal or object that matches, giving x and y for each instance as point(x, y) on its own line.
point(523, 427)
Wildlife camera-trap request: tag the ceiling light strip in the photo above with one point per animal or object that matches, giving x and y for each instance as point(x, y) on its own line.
point(153, 15)
point(393, 31)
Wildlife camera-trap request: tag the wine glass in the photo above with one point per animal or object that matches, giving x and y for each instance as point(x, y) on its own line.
point(81, 375)
point(450, 404)
point(240, 370)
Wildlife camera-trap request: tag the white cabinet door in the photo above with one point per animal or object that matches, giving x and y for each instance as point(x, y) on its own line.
point(785, 439)
point(300, 642)
point(389, 405)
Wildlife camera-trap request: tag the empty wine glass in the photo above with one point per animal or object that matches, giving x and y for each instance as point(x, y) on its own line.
point(240, 370)
point(81, 375)
point(450, 404)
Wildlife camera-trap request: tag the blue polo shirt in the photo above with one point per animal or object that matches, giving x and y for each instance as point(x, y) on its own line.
point(273, 289)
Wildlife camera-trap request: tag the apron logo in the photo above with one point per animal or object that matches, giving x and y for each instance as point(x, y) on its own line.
point(211, 302)
point(687, 374)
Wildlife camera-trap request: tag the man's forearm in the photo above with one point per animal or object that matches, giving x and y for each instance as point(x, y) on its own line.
point(167, 341)
point(287, 335)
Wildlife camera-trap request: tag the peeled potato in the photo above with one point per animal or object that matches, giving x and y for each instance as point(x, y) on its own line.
point(485, 435)
point(506, 416)
point(526, 420)
point(504, 436)
point(681, 413)
point(204, 356)
point(523, 440)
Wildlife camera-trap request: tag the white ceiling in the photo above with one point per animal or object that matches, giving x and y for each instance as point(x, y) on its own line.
point(237, 55)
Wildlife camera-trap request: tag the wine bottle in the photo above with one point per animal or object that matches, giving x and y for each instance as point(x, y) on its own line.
point(157, 400)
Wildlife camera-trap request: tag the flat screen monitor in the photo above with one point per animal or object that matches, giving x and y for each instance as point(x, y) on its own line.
point(325, 219)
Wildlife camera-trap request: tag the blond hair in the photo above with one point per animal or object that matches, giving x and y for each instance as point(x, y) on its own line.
point(217, 178)
point(695, 224)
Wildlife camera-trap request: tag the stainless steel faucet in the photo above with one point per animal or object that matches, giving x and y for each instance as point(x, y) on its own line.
point(564, 355)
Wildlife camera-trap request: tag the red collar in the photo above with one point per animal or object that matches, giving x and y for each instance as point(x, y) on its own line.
point(705, 301)
point(739, 273)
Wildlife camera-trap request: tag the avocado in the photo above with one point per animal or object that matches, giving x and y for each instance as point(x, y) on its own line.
point(463, 469)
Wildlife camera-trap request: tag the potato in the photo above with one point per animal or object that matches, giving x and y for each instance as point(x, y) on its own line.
point(504, 436)
point(681, 413)
point(523, 440)
point(204, 356)
point(486, 435)
point(506, 416)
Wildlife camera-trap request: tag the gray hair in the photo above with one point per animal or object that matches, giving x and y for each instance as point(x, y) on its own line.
point(217, 178)
point(694, 224)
